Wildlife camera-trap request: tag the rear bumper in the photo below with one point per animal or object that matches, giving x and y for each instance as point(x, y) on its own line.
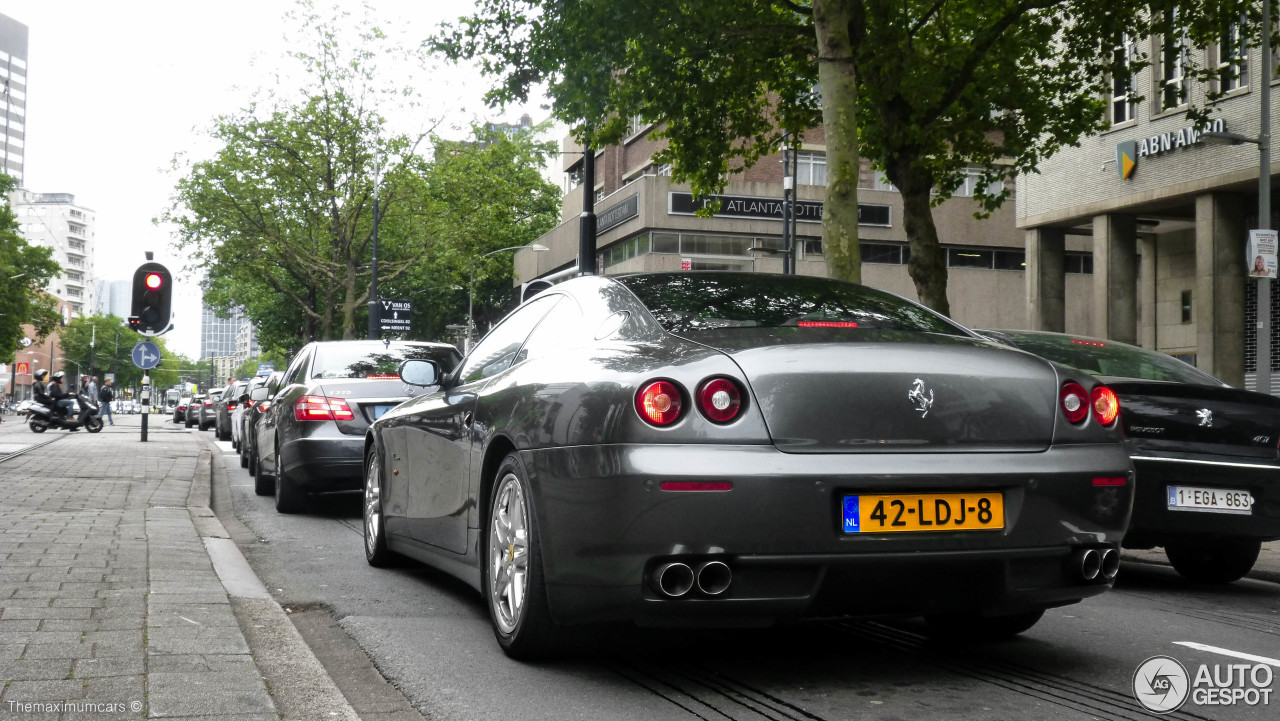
point(1154, 522)
point(606, 525)
point(323, 462)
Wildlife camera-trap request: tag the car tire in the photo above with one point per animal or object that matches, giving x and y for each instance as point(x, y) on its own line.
point(974, 627)
point(1214, 560)
point(521, 621)
point(289, 498)
point(244, 457)
point(375, 530)
point(253, 463)
point(263, 485)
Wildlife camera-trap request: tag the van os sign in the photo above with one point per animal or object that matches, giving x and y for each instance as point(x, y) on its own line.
point(1128, 152)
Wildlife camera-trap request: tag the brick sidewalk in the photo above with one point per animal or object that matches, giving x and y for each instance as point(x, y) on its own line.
point(109, 604)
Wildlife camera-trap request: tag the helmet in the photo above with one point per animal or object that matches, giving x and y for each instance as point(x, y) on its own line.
point(59, 376)
point(41, 374)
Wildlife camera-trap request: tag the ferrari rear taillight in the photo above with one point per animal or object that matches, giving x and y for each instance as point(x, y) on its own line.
point(659, 403)
point(719, 400)
point(1075, 402)
point(320, 408)
point(1106, 406)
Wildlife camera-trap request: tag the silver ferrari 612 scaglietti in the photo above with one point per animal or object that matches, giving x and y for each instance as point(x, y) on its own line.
point(743, 449)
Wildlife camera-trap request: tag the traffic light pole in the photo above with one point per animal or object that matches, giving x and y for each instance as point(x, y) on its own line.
point(146, 402)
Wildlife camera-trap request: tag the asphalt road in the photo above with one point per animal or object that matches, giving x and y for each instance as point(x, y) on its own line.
point(429, 635)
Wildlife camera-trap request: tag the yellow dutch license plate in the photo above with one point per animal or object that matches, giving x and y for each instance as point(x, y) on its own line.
point(923, 512)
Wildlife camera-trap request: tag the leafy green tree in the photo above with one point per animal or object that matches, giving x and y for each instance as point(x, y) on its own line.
point(281, 217)
point(91, 342)
point(476, 197)
point(925, 89)
point(25, 270)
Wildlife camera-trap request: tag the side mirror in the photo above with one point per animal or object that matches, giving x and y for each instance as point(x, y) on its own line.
point(420, 372)
point(259, 394)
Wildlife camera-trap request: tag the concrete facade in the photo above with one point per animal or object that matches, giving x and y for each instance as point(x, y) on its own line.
point(1168, 240)
point(641, 228)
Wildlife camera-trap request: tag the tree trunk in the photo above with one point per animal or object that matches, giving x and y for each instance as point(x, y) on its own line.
point(928, 265)
point(838, 81)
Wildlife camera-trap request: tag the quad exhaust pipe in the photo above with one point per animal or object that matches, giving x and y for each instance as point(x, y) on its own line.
point(714, 578)
point(677, 579)
point(1094, 564)
point(673, 580)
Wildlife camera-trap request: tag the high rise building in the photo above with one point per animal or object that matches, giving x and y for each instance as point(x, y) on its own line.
point(13, 95)
point(53, 220)
point(218, 335)
point(113, 296)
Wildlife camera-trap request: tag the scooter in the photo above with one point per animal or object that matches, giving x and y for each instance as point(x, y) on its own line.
point(42, 417)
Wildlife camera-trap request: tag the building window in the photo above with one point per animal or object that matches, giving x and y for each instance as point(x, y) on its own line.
point(1079, 263)
point(969, 258)
point(811, 168)
point(1233, 60)
point(1011, 260)
point(635, 124)
point(973, 182)
point(600, 195)
point(1186, 306)
point(1173, 63)
point(573, 178)
point(884, 253)
point(1123, 107)
point(664, 170)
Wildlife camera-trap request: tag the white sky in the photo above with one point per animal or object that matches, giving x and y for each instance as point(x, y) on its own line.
point(115, 90)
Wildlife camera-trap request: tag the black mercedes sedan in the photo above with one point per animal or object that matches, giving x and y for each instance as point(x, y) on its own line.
point(1206, 455)
point(310, 439)
point(743, 449)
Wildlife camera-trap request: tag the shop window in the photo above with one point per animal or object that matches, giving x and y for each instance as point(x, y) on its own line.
point(666, 242)
point(1186, 306)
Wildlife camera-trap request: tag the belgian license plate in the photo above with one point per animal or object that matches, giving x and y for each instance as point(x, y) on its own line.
point(923, 512)
point(1212, 500)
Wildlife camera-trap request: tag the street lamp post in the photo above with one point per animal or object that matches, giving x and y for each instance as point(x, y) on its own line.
point(471, 288)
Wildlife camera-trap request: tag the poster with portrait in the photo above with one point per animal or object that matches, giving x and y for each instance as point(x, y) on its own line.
point(1262, 254)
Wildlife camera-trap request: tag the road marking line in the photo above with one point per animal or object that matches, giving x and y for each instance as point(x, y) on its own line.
point(1228, 652)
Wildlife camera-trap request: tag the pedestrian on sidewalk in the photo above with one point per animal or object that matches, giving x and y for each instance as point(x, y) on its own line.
point(105, 397)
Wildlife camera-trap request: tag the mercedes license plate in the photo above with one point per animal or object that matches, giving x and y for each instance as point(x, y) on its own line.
point(923, 512)
point(1211, 500)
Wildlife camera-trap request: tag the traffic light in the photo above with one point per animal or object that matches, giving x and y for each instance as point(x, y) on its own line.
point(152, 299)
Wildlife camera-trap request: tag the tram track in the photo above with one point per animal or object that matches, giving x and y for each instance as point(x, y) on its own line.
point(28, 449)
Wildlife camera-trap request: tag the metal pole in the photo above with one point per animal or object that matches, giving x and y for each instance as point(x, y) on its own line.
point(795, 202)
point(374, 331)
point(146, 402)
point(1263, 334)
point(115, 353)
point(93, 344)
point(787, 192)
point(587, 222)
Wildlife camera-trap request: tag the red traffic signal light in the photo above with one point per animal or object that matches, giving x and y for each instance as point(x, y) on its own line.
point(152, 299)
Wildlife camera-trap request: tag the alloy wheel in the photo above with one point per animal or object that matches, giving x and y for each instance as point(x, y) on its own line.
point(509, 554)
point(372, 508)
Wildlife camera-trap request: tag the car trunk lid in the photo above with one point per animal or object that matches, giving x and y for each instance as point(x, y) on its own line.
point(368, 398)
point(897, 392)
point(1190, 418)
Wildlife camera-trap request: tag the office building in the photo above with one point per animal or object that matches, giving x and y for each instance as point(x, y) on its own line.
point(114, 297)
point(53, 220)
point(218, 334)
point(13, 96)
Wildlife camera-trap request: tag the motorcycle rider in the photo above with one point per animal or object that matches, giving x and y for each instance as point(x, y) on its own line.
point(40, 391)
point(62, 402)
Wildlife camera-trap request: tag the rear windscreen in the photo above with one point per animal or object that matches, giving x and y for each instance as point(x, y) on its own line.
point(1105, 358)
point(684, 302)
point(376, 360)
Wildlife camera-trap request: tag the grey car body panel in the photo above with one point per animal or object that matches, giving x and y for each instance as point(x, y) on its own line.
point(594, 465)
